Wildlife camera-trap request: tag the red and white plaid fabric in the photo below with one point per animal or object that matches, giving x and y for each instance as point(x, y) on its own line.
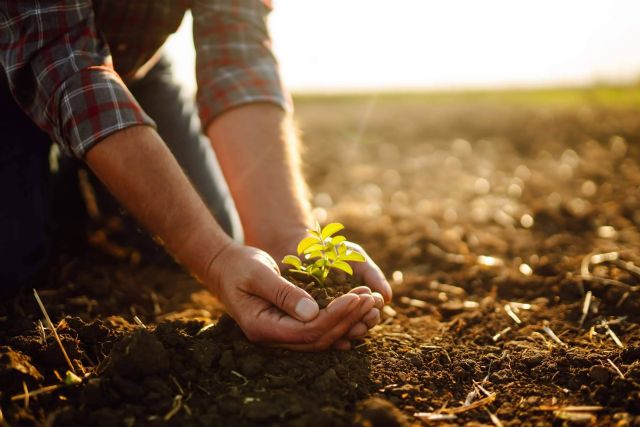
point(63, 60)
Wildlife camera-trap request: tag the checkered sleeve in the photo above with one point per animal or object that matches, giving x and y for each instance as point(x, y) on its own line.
point(60, 72)
point(234, 61)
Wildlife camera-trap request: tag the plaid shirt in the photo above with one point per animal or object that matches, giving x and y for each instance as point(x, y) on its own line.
point(63, 60)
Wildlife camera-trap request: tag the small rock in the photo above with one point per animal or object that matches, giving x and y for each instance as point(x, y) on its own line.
point(600, 374)
point(376, 412)
point(251, 365)
point(451, 307)
point(327, 381)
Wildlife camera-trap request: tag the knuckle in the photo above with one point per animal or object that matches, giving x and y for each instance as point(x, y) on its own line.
point(282, 294)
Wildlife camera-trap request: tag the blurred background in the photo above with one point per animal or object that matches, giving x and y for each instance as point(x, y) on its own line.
point(375, 45)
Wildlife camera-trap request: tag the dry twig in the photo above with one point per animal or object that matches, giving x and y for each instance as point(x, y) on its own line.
point(552, 335)
point(494, 418)
point(500, 334)
point(571, 408)
point(434, 416)
point(512, 314)
point(585, 308)
point(53, 329)
point(32, 393)
point(474, 405)
point(613, 365)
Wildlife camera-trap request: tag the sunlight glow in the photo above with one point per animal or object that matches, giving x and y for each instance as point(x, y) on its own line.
point(375, 44)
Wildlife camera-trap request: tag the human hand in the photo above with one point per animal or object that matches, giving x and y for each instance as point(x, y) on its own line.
point(269, 309)
point(368, 272)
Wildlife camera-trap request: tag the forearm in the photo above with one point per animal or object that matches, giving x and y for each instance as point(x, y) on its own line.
point(257, 149)
point(142, 174)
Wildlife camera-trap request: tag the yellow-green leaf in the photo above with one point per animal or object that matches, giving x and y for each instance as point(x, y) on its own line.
point(341, 265)
point(306, 243)
point(353, 256)
point(331, 229)
point(315, 254)
point(316, 247)
point(336, 240)
point(292, 260)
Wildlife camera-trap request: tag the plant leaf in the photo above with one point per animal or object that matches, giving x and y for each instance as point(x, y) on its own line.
point(331, 229)
point(306, 243)
point(315, 254)
point(353, 256)
point(341, 265)
point(316, 247)
point(336, 240)
point(292, 260)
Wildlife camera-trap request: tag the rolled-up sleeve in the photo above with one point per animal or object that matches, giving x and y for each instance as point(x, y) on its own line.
point(234, 61)
point(60, 73)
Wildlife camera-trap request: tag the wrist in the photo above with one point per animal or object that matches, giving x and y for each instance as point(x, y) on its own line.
point(213, 272)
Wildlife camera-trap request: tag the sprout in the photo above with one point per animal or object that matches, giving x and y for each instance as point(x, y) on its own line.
point(321, 251)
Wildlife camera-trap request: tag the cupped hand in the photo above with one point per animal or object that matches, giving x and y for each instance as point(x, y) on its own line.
point(375, 285)
point(269, 309)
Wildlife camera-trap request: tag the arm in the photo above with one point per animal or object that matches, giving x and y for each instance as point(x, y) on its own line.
point(262, 166)
point(140, 171)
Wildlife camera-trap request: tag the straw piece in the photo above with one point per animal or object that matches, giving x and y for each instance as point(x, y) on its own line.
point(55, 333)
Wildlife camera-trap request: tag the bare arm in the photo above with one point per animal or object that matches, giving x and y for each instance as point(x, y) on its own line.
point(142, 174)
point(140, 171)
point(257, 147)
point(259, 155)
point(258, 151)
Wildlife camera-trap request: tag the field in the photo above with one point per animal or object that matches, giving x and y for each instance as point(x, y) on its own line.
point(506, 221)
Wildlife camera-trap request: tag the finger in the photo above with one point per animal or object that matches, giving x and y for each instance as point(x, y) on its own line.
point(345, 326)
point(371, 274)
point(360, 290)
point(286, 296)
point(372, 318)
point(332, 337)
point(358, 330)
point(272, 325)
point(378, 298)
point(374, 279)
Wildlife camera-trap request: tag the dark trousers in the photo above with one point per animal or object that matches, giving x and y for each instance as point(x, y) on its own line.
point(27, 186)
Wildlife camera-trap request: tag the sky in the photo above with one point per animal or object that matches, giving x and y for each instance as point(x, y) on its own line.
point(364, 45)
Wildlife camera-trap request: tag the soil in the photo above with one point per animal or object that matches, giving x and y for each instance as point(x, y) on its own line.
point(335, 285)
point(479, 213)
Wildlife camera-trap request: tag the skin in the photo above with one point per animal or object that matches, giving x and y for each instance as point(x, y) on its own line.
point(140, 171)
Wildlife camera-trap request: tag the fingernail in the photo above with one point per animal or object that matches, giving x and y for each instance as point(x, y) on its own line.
point(307, 309)
point(379, 299)
point(343, 302)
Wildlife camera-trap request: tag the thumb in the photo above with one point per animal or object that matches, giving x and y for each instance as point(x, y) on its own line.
point(287, 297)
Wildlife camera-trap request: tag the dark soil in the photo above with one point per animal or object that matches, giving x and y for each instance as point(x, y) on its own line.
point(334, 286)
point(480, 214)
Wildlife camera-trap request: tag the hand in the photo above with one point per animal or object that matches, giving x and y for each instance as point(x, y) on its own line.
point(377, 287)
point(269, 309)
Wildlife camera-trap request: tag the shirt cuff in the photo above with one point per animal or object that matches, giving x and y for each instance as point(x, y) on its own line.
point(236, 85)
point(91, 105)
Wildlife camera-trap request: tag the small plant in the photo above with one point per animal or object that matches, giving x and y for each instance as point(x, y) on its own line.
point(321, 251)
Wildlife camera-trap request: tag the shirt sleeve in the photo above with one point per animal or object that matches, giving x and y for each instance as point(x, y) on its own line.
point(60, 73)
point(234, 61)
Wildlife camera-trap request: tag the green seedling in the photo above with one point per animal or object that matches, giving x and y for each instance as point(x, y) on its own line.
point(321, 251)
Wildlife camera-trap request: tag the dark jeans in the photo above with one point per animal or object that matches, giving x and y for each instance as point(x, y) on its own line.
point(26, 184)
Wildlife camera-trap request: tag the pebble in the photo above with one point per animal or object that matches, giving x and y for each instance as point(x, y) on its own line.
point(600, 374)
